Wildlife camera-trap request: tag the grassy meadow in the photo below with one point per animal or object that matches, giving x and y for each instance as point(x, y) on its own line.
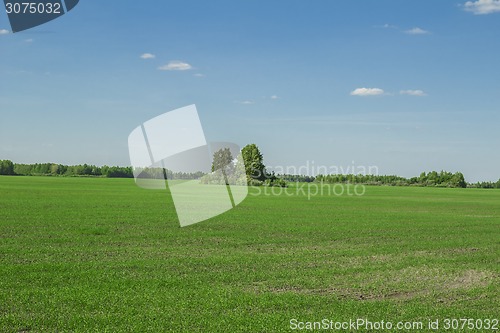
point(102, 255)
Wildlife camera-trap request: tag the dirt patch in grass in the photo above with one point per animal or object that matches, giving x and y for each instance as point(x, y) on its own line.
point(405, 284)
point(471, 279)
point(462, 250)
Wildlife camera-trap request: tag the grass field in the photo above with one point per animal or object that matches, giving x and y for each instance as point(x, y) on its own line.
point(102, 255)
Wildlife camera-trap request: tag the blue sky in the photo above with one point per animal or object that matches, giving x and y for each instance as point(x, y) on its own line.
point(407, 86)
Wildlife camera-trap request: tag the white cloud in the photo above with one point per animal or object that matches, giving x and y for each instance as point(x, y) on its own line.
point(29, 40)
point(246, 102)
point(274, 97)
point(176, 65)
point(4, 32)
point(417, 31)
point(148, 56)
point(481, 7)
point(199, 75)
point(389, 26)
point(367, 92)
point(413, 92)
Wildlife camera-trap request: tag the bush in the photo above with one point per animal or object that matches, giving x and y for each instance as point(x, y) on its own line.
point(276, 182)
point(255, 182)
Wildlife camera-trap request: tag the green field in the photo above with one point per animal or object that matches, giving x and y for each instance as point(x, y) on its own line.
point(102, 255)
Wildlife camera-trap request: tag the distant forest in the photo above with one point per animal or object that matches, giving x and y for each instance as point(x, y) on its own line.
point(433, 178)
point(83, 170)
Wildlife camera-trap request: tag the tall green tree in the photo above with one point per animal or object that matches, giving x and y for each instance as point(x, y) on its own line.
point(223, 161)
point(458, 180)
point(6, 167)
point(254, 162)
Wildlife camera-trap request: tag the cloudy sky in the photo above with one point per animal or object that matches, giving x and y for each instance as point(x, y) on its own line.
point(407, 86)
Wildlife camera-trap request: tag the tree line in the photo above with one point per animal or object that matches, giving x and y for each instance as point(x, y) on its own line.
point(433, 178)
point(485, 185)
point(255, 170)
point(9, 168)
point(257, 175)
point(53, 169)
